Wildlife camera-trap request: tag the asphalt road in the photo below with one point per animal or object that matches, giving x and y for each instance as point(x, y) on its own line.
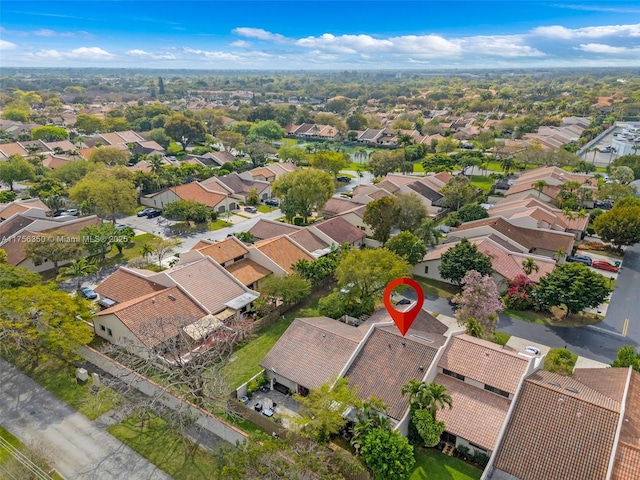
point(76, 447)
point(625, 301)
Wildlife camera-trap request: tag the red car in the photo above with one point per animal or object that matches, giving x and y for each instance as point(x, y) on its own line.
point(604, 266)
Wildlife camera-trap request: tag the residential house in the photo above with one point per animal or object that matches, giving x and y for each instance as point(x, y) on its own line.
point(265, 229)
point(555, 178)
point(32, 207)
point(272, 171)
point(214, 198)
point(317, 245)
point(336, 206)
point(239, 186)
point(572, 428)
point(338, 231)
point(278, 254)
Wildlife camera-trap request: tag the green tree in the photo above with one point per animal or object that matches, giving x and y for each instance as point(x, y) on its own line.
point(49, 134)
point(365, 273)
point(471, 212)
point(429, 429)
point(623, 175)
point(620, 225)
point(428, 232)
point(14, 170)
point(381, 216)
point(461, 258)
point(161, 90)
point(357, 121)
point(107, 192)
point(303, 191)
point(410, 211)
point(3, 256)
point(289, 289)
point(539, 186)
point(110, 156)
point(447, 145)
point(457, 192)
point(407, 246)
point(185, 130)
point(98, 239)
point(56, 247)
point(252, 197)
point(78, 269)
point(44, 322)
point(88, 124)
point(388, 455)
point(293, 154)
point(321, 412)
point(615, 191)
point(266, 131)
point(383, 162)
point(187, 211)
point(329, 161)
point(573, 285)
point(13, 277)
point(529, 266)
point(560, 361)
point(163, 247)
point(627, 357)
point(72, 172)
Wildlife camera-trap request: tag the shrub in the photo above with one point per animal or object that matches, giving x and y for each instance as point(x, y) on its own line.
point(6, 197)
point(480, 458)
point(462, 451)
point(299, 221)
point(518, 296)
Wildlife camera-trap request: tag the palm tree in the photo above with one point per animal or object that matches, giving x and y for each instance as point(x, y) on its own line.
point(437, 397)
point(560, 253)
point(155, 164)
point(529, 265)
point(78, 269)
point(371, 415)
point(416, 391)
point(428, 232)
point(539, 186)
point(146, 250)
point(507, 164)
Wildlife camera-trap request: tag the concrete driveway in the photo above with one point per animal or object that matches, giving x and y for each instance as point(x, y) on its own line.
point(77, 448)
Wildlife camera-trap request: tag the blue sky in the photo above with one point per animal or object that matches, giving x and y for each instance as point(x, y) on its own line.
point(319, 35)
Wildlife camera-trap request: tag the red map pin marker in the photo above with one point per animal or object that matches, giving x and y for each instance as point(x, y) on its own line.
point(403, 320)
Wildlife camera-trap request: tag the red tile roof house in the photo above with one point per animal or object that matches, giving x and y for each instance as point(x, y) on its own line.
point(207, 291)
point(214, 197)
point(506, 261)
point(239, 186)
point(585, 427)
point(32, 208)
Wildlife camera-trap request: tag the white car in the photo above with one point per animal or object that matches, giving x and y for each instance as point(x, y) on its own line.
point(530, 349)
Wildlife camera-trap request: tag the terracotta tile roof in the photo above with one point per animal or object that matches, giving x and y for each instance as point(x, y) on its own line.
point(477, 415)
point(247, 271)
point(307, 240)
point(377, 376)
point(158, 316)
point(340, 230)
point(197, 193)
point(21, 206)
point(508, 263)
point(557, 433)
point(312, 351)
point(336, 206)
point(264, 229)
point(122, 286)
point(201, 244)
point(9, 149)
point(485, 362)
point(225, 250)
point(262, 172)
point(608, 381)
point(388, 186)
point(283, 251)
point(627, 460)
point(551, 191)
point(207, 282)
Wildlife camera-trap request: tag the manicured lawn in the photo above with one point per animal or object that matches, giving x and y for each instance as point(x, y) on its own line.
point(265, 208)
point(555, 318)
point(248, 357)
point(133, 250)
point(482, 181)
point(418, 168)
point(434, 287)
point(501, 338)
point(434, 465)
point(162, 445)
point(218, 224)
point(13, 441)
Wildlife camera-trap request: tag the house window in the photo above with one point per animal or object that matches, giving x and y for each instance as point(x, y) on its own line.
point(109, 332)
point(237, 259)
point(426, 269)
point(453, 374)
point(102, 327)
point(496, 390)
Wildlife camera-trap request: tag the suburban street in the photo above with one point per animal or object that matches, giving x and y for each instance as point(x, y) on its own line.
point(76, 447)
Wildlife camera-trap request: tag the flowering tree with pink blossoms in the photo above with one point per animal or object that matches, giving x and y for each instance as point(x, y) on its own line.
point(479, 303)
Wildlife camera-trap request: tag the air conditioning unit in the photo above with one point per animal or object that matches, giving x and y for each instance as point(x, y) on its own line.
point(82, 375)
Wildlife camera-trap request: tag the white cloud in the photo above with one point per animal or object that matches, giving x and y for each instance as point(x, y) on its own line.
point(138, 52)
point(82, 53)
point(260, 34)
point(45, 32)
point(240, 44)
point(4, 45)
point(508, 46)
point(603, 48)
point(558, 31)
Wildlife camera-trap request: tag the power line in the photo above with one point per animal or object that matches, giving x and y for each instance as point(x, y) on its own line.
point(24, 460)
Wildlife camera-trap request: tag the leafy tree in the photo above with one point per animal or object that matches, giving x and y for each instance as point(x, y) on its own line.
point(428, 232)
point(631, 161)
point(614, 191)
point(439, 162)
point(479, 301)
point(371, 415)
point(411, 211)
point(539, 186)
point(471, 212)
point(267, 130)
point(14, 170)
point(383, 162)
point(457, 192)
point(13, 277)
point(259, 152)
point(623, 175)
point(447, 145)
point(43, 322)
point(8, 197)
point(78, 269)
point(560, 361)
point(321, 411)
point(299, 156)
point(49, 134)
point(246, 237)
point(573, 285)
point(461, 258)
point(163, 247)
point(45, 187)
point(3, 256)
point(161, 90)
point(185, 130)
point(88, 124)
point(108, 192)
point(303, 191)
point(381, 215)
point(55, 247)
point(289, 289)
point(110, 156)
point(407, 246)
point(627, 357)
point(620, 225)
point(333, 305)
point(328, 161)
point(357, 121)
point(428, 427)
point(98, 239)
point(529, 265)
point(387, 454)
point(365, 273)
point(252, 197)
point(72, 172)
point(159, 136)
point(187, 211)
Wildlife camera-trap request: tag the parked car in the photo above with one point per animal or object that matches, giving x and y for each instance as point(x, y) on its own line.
point(344, 179)
point(251, 209)
point(604, 205)
point(580, 258)
point(145, 212)
point(602, 265)
point(120, 226)
point(87, 293)
point(71, 211)
point(530, 349)
point(272, 202)
point(154, 214)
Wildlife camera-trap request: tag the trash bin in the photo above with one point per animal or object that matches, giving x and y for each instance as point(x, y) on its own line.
point(618, 263)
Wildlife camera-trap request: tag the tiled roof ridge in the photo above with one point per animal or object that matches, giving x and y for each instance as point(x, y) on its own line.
point(325, 328)
point(124, 305)
point(490, 345)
